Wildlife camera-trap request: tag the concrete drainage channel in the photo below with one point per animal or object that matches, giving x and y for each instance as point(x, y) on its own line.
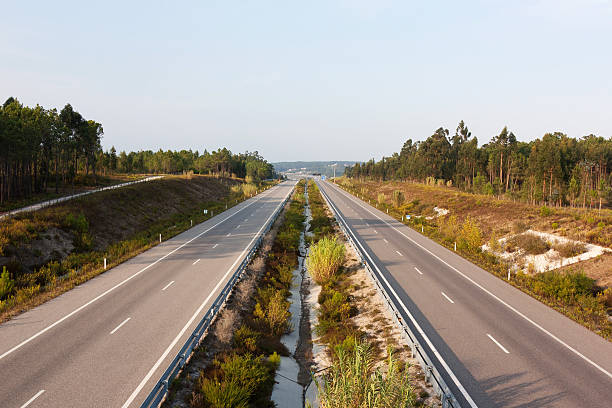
point(293, 375)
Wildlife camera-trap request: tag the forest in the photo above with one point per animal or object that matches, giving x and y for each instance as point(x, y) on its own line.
point(43, 149)
point(555, 170)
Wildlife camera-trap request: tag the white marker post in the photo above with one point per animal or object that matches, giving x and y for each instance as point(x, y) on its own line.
point(192, 223)
point(159, 237)
point(104, 263)
point(455, 246)
point(421, 229)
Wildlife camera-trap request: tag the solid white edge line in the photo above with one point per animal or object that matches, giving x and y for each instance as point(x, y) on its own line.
point(446, 296)
point(463, 391)
point(558, 340)
point(122, 323)
point(417, 269)
point(498, 344)
point(196, 261)
point(75, 311)
point(193, 317)
point(167, 286)
point(31, 400)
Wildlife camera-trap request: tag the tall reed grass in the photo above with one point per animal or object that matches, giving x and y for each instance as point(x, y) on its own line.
point(325, 258)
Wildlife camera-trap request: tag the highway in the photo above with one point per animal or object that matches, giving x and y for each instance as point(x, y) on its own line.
point(106, 342)
point(505, 348)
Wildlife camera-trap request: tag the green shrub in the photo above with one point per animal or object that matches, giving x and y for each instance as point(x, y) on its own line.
point(555, 225)
point(352, 381)
point(324, 259)
point(224, 394)
point(530, 243)
point(545, 211)
point(381, 198)
point(469, 235)
point(563, 286)
point(6, 284)
point(398, 198)
point(570, 249)
point(246, 339)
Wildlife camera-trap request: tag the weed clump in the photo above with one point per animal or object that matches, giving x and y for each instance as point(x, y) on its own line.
point(570, 249)
point(531, 244)
point(324, 259)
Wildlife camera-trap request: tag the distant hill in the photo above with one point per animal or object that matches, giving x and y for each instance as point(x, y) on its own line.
point(309, 167)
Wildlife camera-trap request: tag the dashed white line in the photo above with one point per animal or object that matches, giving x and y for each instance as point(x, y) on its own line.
point(228, 234)
point(447, 298)
point(146, 378)
point(238, 226)
point(196, 261)
point(385, 240)
point(122, 323)
point(376, 232)
point(399, 253)
point(77, 310)
point(498, 344)
point(31, 400)
point(417, 269)
point(214, 246)
point(515, 310)
point(167, 286)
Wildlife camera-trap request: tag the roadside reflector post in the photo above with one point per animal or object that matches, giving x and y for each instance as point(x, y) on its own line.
point(508, 274)
point(421, 229)
point(192, 223)
point(455, 246)
point(387, 211)
point(104, 263)
point(159, 237)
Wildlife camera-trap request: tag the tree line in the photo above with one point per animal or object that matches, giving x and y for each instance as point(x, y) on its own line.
point(222, 162)
point(42, 149)
point(553, 170)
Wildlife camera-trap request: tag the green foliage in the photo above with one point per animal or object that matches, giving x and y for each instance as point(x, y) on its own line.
point(530, 243)
point(564, 287)
point(398, 198)
point(224, 394)
point(246, 339)
point(546, 211)
point(6, 284)
point(381, 198)
point(324, 259)
point(353, 382)
point(470, 237)
point(555, 225)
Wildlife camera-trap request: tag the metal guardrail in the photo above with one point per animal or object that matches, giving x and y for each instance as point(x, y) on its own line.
point(48, 203)
point(432, 374)
point(159, 392)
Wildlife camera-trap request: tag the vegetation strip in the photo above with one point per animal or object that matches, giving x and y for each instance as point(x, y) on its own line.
point(89, 237)
point(356, 376)
point(569, 292)
point(242, 373)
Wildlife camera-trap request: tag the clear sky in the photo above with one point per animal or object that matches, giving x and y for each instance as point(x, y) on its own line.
point(312, 80)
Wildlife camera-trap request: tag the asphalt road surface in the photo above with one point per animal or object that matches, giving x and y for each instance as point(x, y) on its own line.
point(505, 348)
point(106, 342)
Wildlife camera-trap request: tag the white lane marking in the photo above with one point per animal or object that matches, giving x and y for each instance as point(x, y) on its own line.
point(498, 344)
point(557, 339)
point(447, 298)
point(238, 226)
point(193, 317)
point(75, 311)
point(376, 232)
point(385, 240)
point(399, 253)
point(229, 234)
point(122, 323)
point(214, 246)
point(167, 286)
point(197, 260)
point(417, 269)
point(246, 219)
point(454, 378)
point(31, 400)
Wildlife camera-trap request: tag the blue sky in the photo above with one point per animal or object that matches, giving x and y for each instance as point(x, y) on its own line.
point(316, 80)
